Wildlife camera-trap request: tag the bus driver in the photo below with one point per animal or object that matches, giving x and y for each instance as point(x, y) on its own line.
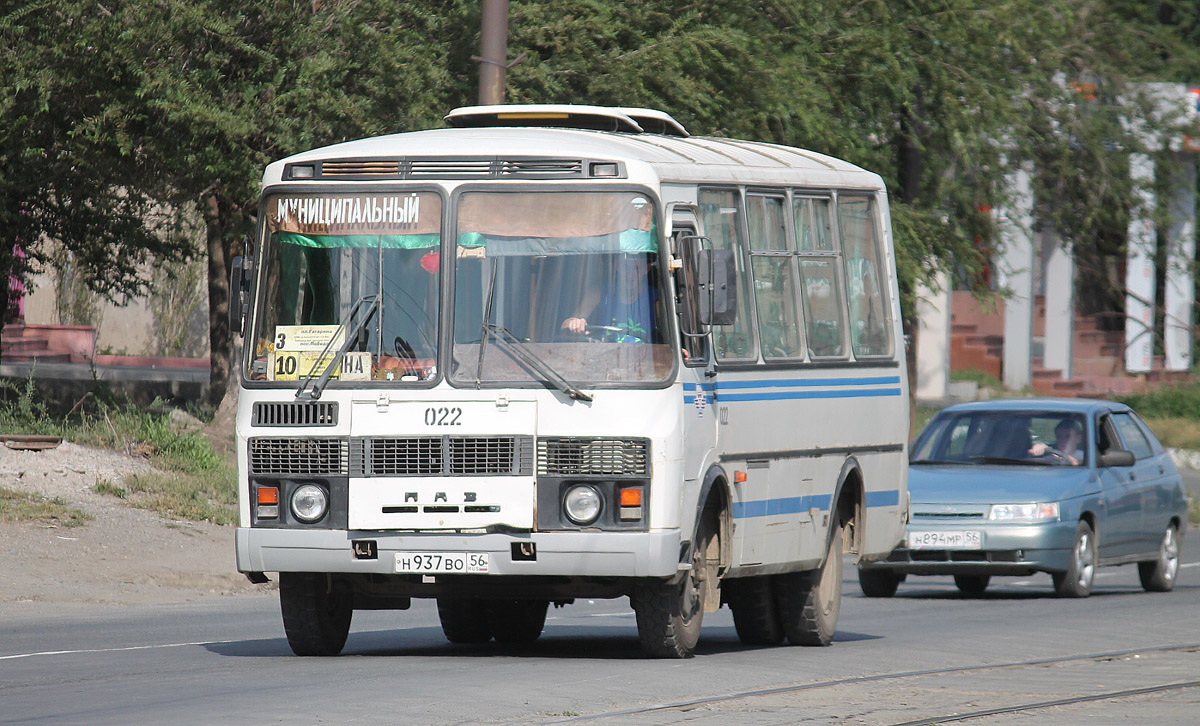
point(624, 311)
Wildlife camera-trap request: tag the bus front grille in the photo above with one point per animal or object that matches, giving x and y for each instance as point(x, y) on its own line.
point(443, 456)
point(577, 456)
point(298, 455)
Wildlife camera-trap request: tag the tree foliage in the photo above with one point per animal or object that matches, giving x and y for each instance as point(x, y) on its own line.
point(115, 106)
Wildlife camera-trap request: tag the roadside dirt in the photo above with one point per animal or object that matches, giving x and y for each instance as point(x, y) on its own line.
point(122, 556)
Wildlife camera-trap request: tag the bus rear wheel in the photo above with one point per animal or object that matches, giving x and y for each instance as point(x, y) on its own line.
point(809, 602)
point(753, 606)
point(464, 620)
point(669, 614)
point(516, 621)
point(316, 615)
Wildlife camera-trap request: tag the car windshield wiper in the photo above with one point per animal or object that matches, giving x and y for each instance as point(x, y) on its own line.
point(1009, 460)
point(934, 461)
point(516, 349)
point(302, 394)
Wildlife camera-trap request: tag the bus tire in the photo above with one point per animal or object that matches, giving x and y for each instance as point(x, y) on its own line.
point(464, 620)
point(316, 617)
point(754, 613)
point(809, 602)
point(878, 583)
point(669, 614)
point(516, 621)
point(972, 585)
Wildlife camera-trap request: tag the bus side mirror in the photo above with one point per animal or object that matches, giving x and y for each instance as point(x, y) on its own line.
point(239, 294)
point(716, 280)
point(1117, 457)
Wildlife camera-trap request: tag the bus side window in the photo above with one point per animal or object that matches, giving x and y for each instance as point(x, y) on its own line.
point(775, 285)
point(866, 284)
point(720, 210)
point(819, 274)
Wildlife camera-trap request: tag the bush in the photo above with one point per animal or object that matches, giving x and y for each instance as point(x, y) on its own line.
point(1174, 402)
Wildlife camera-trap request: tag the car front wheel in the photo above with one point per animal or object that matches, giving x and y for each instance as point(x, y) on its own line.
point(1077, 580)
point(1158, 575)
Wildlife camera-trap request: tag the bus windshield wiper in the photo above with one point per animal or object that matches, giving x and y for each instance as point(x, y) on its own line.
point(302, 394)
point(516, 349)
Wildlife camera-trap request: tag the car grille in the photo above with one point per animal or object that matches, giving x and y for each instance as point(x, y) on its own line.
point(298, 455)
point(593, 457)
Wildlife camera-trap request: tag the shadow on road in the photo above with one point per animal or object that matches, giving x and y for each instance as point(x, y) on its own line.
point(427, 642)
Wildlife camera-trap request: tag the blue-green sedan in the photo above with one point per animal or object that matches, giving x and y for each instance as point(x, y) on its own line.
point(1014, 487)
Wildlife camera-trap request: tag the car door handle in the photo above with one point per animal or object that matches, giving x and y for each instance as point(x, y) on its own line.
point(1132, 476)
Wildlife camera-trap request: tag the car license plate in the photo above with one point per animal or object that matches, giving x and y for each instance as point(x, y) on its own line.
point(954, 540)
point(441, 563)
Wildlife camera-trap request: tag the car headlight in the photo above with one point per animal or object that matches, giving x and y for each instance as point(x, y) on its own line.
point(1041, 512)
point(309, 502)
point(582, 504)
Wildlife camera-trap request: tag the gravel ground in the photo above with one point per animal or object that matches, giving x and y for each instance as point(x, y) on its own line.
point(122, 556)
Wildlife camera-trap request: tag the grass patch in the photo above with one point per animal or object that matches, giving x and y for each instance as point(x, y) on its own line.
point(983, 378)
point(1175, 432)
point(210, 496)
point(23, 507)
point(1193, 510)
point(104, 486)
point(195, 483)
point(1182, 402)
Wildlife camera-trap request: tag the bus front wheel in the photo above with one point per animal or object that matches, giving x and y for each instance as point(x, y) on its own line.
point(669, 614)
point(316, 615)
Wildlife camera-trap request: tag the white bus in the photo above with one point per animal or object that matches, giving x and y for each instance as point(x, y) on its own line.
point(560, 352)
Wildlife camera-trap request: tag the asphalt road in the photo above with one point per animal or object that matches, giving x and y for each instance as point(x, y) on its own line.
point(227, 660)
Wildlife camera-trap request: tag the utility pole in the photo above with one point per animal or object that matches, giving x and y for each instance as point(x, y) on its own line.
point(493, 48)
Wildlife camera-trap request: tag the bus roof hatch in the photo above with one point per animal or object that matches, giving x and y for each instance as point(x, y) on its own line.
point(595, 118)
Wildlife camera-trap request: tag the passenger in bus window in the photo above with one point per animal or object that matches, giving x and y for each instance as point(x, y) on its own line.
point(621, 311)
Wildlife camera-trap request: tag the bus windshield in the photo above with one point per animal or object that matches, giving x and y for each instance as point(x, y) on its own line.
point(325, 253)
point(558, 285)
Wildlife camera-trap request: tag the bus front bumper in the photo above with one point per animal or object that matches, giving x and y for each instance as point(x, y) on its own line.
point(577, 554)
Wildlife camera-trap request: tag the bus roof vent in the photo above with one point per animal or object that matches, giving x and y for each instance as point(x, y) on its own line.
point(491, 167)
point(567, 116)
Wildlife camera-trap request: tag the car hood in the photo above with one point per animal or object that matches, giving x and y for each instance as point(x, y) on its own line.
point(990, 484)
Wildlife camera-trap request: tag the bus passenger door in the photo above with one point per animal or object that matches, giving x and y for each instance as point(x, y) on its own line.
point(697, 373)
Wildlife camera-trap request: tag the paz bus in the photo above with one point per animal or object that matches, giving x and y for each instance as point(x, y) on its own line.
point(556, 352)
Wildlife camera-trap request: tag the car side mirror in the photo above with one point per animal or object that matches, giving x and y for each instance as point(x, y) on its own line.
point(717, 275)
point(1117, 457)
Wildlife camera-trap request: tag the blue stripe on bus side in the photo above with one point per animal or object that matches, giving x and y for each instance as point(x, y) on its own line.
point(808, 382)
point(786, 395)
point(886, 498)
point(795, 505)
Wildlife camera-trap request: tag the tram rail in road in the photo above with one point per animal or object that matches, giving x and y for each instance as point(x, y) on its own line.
point(841, 682)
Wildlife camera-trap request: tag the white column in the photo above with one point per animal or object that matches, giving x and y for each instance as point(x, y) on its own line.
point(1060, 306)
point(1179, 294)
point(1139, 270)
point(933, 340)
point(1016, 267)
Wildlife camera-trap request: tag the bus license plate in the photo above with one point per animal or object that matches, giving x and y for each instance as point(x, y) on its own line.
point(961, 540)
point(441, 563)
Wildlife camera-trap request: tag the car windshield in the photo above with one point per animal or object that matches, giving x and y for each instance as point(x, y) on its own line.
point(1036, 438)
point(569, 282)
point(323, 254)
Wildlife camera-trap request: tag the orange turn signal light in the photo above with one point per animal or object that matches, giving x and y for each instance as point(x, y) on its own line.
point(631, 497)
point(268, 495)
point(739, 477)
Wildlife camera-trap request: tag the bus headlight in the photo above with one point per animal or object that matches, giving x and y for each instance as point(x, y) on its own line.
point(582, 504)
point(309, 502)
